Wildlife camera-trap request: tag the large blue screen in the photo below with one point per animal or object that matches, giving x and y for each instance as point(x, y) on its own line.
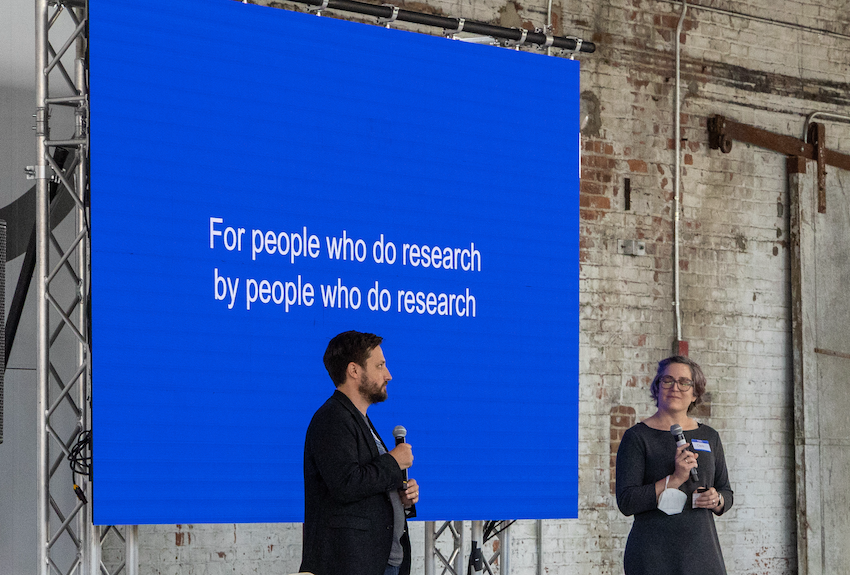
point(263, 180)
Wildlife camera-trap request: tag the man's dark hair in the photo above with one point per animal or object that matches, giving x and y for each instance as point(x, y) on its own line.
point(347, 347)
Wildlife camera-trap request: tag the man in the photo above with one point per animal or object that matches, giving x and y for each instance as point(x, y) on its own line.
point(355, 505)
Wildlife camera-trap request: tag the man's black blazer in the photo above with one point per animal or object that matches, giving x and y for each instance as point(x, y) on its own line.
point(348, 517)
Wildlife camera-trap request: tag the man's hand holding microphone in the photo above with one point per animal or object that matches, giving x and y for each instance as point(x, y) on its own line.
point(403, 454)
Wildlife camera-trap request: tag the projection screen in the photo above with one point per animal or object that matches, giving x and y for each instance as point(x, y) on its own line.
point(262, 180)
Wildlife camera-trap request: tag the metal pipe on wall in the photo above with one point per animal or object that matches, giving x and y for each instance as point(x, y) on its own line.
point(826, 115)
point(677, 136)
point(539, 547)
point(763, 20)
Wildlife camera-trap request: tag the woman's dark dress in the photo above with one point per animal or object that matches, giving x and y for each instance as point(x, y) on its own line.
point(661, 544)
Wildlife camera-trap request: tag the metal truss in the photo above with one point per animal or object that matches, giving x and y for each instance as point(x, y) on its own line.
point(482, 531)
point(68, 542)
point(452, 560)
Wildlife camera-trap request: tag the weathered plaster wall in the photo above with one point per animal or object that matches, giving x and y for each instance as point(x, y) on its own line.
point(734, 262)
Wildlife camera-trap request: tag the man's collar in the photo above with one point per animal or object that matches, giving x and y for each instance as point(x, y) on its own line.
point(353, 401)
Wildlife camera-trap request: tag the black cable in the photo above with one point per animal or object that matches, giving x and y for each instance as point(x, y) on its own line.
point(493, 528)
point(80, 461)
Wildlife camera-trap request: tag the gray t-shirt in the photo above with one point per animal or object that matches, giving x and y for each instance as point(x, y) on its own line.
point(396, 552)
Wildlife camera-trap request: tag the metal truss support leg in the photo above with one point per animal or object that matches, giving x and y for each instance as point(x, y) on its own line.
point(505, 552)
point(478, 541)
point(458, 554)
point(430, 547)
point(41, 273)
point(451, 562)
point(132, 549)
point(454, 561)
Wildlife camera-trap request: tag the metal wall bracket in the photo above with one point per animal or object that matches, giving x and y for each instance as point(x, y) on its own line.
point(817, 137)
point(631, 247)
point(722, 131)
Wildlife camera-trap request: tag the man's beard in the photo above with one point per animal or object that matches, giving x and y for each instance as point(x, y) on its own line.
point(371, 392)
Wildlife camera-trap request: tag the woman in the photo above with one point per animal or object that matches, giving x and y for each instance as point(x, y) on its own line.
point(673, 533)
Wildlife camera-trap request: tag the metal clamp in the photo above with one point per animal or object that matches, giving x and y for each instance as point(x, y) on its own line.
point(459, 29)
point(518, 43)
point(40, 173)
point(319, 9)
point(550, 38)
point(577, 48)
point(391, 19)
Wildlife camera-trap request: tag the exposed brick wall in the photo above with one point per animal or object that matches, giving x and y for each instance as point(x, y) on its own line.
point(734, 262)
point(622, 418)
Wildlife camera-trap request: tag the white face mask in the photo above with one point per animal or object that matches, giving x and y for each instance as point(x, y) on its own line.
point(672, 501)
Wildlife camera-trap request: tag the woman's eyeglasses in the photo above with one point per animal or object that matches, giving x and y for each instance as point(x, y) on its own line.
point(684, 383)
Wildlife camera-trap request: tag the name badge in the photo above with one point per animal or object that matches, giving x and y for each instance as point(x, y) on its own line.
point(701, 445)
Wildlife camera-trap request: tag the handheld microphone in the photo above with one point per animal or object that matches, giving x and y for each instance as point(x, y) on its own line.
point(677, 432)
point(400, 433)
